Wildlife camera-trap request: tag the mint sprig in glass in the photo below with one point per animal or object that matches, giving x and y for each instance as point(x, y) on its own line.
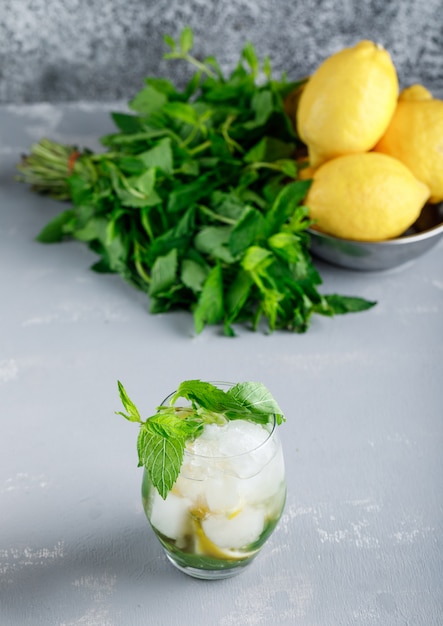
point(213, 484)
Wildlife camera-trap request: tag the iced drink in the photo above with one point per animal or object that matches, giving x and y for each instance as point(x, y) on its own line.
point(226, 501)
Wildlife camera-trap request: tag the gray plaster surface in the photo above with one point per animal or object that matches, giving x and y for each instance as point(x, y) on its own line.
point(361, 539)
point(69, 50)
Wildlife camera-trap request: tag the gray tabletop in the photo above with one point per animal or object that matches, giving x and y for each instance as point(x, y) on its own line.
point(360, 542)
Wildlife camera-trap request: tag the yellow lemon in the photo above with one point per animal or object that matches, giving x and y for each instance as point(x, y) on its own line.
point(415, 137)
point(365, 197)
point(347, 103)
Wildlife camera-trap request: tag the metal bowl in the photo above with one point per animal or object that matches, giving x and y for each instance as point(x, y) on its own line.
point(423, 235)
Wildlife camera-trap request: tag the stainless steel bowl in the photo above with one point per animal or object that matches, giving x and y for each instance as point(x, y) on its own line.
point(368, 256)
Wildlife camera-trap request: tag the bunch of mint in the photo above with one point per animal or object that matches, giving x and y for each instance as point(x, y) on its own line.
point(196, 199)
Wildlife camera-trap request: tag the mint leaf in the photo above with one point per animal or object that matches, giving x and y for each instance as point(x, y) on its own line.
point(249, 228)
point(182, 112)
point(161, 444)
point(159, 156)
point(248, 400)
point(214, 241)
point(186, 39)
point(169, 41)
point(147, 101)
point(237, 295)
point(205, 395)
point(257, 399)
point(250, 57)
point(163, 273)
point(54, 230)
point(286, 203)
point(209, 309)
point(348, 304)
point(162, 455)
point(193, 274)
point(132, 412)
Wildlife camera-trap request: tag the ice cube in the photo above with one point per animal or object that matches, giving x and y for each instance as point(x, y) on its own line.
point(207, 443)
point(229, 439)
point(171, 516)
point(222, 494)
point(239, 442)
point(190, 488)
point(241, 436)
point(235, 531)
point(197, 467)
point(266, 482)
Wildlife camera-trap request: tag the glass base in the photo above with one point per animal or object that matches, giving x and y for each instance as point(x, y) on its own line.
point(208, 574)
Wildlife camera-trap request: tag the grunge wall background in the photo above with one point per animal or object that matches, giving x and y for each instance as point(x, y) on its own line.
point(100, 50)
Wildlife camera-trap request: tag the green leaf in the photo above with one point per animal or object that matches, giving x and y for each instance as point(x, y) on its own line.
point(227, 204)
point(102, 267)
point(248, 230)
point(163, 273)
point(257, 399)
point(54, 231)
point(137, 191)
point(181, 111)
point(193, 274)
point(269, 149)
point(159, 156)
point(286, 203)
point(164, 86)
point(186, 39)
point(145, 182)
point(189, 167)
point(248, 400)
point(132, 412)
point(131, 198)
point(148, 101)
point(211, 61)
point(348, 304)
point(214, 241)
point(210, 308)
point(256, 259)
point(273, 307)
point(161, 453)
point(161, 443)
point(250, 56)
point(184, 195)
point(169, 41)
point(131, 165)
point(80, 189)
point(206, 395)
point(115, 252)
point(127, 123)
point(287, 245)
point(267, 69)
point(288, 167)
point(263, 107)
point(94, 228)
point(300, 221)
point(237, 294)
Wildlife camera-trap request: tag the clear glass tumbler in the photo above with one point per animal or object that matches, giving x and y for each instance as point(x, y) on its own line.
point(226, 502)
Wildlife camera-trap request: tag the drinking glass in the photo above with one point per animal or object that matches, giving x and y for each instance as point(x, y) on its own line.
point(226, 501)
